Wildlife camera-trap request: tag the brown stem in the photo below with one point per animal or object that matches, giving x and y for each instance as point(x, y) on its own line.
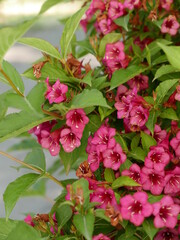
point(46, 174)
point(10, 82)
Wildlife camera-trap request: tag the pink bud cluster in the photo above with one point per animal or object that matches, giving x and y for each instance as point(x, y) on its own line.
point(69, 136)
point(132, 107)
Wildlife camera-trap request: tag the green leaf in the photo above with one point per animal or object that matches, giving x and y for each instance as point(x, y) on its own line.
point(41, 45)
point(147, 141)
point(163, 89)
point(169, 113)
point(172, 53)
point(123, 22)
point(16, 101)
point(36, 158)
point(164, 69)
point(123, 75)
point(16, 123)
point(63, 214)
point(109, 38)
point(122, 142)
point(124, 181)
point(69, 30)
point(17, 230)
point(150, 124)
point(48, 4)
point(89, 98)
point(149, 228)
point(100, 213)
point(88, 78)
point(98, 83)
point(153, 198)
point(15, 189)
point(135, 142)
point(9, 35)
point(126, 165)
point(109, 175)
point(85, 224)
point(13, 74)
point(138, 153)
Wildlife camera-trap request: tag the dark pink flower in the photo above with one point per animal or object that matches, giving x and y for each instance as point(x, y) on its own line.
point(121, 91)
point(103, 138)
point(113, 158)
point(152, 180)
point(131, 4)
point(142, 43)
point(50, 141)
point(177, 96)
point(84, 23)
point(159, 134)
point(29, 220)
point(140, 81)
point(172, 181)
point(104, 197)
point(76, 119)
point(56, 93)
point(106, 25)
point(69, 139)
point(170, 25)
point(165, 213)
point(133, 172)
point(166, 4)
point(123, 108)
point(138, 116)
point(167, 234)
point(157, 158)
point(101, 237)
point(175, 144)
point(116, 9)
point(94, 158)
point(135, 207)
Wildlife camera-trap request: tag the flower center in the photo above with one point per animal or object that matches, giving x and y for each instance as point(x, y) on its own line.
point(155, 179)
point(135, 208)
point(168, 236)
point(164, 212)
point(156, 158)
point(169, 23)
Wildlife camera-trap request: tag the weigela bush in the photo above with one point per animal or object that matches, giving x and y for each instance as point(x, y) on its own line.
point(115, 122)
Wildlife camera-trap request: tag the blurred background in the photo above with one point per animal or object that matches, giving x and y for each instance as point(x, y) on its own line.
point(49, 27)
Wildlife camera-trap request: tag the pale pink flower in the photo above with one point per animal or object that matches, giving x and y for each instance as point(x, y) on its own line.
point(101, 237)
point(166, 4)
point(114, 51)
point(170, 25)
point(116, 9)
point(104, 197)
point(70, 140)
point(152, 180)
point(50, 141)
point(56, 93)
point(175, 144)
point(157, 158)
point(103, 138)
point(76, 119)
point(131, 4)
point(165, 213)
point(135, 208)
point(140, 81)
point(113, 158)
point(172, 181)
point(29, 220)
point(177, 96)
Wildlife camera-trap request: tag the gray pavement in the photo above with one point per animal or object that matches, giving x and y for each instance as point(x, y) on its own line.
point(22, 58)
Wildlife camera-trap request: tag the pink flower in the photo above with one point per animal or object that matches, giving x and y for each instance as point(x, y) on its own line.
point(104, 197)
point(101, 237)
point(152, 180)
point(134, 172)
point(70, 140)
point(121, 91)
point(116, 9)
point(139, 116)
point(167, 234)
point(177, 96)
point(157, 158)
point(135, 208)
point(172, 181)
point(165, 213)
point(114, 51)
point(159, 134)
point(76, 119)
point(50, 141)
point(103, 138)
point(29, 220)
point(131, 4)
point(170, 25)
point(142, 43)
point(94, 158)
point(56, 93)
point(166, 4)
point(113, 158)
point(123, 108)
point(140, 81)
point(175, 144)
point(106, 25)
